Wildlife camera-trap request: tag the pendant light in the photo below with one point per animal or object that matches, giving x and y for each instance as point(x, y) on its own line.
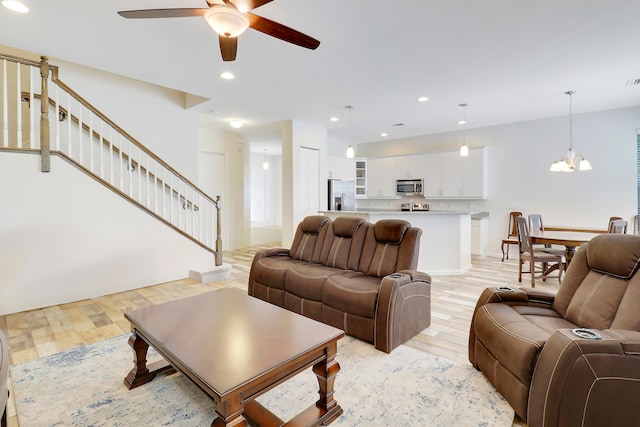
point(569, 162)
point(350, 150)
point(464, 150)
point(265, 162)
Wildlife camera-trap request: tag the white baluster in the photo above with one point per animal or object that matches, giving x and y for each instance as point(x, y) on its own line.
point(18, 106)
point(101, 148)
point(91, 142)
point(5, 108)
point(80, 147)
point(130, 168)
point(110, 155)
point(32, 114)
point(69, 141)
point(155, 187)
point(57, 119)
point(121, 165)
point(148, 187)
point(164, 195)
point(140, 176)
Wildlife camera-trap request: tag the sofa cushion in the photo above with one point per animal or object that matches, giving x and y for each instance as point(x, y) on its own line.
point(307, 279)
point(309, 238)
point(391, 230)
point(614, 254)
point(270, 271)
point(343, 243)
point(354, 293)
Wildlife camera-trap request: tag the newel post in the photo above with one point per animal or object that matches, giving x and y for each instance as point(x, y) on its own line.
point(45, 148)
point(218, 232)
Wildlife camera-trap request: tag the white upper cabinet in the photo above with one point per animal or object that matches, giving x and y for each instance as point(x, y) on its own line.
point(381, 174)
point(410, 167)
point(447, 175)
point(341, 168)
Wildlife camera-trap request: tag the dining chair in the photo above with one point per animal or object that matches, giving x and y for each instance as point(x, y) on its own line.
point(512, 237)
point(618, 226)
point(535, 224)
point(533, 256)
point(636, 224)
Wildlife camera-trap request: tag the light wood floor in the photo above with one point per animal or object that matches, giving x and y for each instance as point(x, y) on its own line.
point(37, 333)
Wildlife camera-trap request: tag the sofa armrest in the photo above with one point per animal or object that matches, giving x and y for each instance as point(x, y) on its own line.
point(267, 253)
point(586, 382)
point(404, 308)
point(507, 295)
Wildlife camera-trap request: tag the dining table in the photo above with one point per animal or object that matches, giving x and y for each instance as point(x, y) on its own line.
point(569, 239)
point(572, 228)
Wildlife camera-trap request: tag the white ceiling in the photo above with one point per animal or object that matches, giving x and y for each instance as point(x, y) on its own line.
point(510, 60)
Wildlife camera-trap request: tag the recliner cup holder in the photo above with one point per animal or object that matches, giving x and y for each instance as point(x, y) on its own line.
point(587, 334)
point(505, 289)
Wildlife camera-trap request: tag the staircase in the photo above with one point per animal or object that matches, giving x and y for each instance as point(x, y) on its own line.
point(70, 127)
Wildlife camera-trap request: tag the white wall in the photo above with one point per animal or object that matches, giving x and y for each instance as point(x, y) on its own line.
point(65, 237)
point(519, 156)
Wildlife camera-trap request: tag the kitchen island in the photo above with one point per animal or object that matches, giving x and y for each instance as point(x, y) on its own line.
point(445, 245)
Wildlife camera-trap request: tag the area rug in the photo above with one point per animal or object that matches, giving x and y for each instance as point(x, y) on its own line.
point(83, 387)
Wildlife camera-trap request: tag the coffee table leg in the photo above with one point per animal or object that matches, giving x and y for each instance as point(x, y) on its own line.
point(326, 372)
point(141, 374)
point(230, 414)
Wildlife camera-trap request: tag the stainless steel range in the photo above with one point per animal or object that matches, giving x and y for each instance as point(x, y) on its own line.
point(420, 207)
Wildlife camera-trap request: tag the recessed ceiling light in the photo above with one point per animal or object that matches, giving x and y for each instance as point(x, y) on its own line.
point(16, 6)
point(384, 134)
point(227, 75)
point(236, 124)
point(423, 99)
point(334, 119)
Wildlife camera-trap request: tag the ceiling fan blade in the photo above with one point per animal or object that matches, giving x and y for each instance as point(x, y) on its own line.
point(282, 32)
point(247, 5)
point(162, 13)
point(228, 47)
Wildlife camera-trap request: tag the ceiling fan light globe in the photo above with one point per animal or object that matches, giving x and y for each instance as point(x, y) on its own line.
point(226, 20)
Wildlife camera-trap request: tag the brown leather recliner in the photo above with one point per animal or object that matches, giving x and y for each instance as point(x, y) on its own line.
point(573, 358)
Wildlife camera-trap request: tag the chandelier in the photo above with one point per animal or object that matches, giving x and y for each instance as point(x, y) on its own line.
point(569, 162)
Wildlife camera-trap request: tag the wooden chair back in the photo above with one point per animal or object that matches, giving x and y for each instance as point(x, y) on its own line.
point(618, 226)
point(513, 230)
point(524, 241)
point(535, 222)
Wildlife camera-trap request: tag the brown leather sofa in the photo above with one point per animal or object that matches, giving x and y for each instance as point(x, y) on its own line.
point(573, 358)
point(351, 274)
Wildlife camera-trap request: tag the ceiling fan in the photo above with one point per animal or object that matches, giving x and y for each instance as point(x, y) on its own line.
point(230, 18)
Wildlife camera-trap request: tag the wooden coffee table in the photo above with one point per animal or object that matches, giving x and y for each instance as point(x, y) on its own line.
point(234, 348)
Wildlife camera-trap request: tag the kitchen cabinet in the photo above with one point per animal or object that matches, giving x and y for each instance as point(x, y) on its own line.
point(410, 166)
point(361, 178)
point(479, 236)
point(380, 177)
point(449, 176)
point(341, 168)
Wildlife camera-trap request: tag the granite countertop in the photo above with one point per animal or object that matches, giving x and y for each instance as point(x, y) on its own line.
point(474, 214)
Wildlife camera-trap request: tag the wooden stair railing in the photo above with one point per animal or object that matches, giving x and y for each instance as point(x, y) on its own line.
point(159, 190)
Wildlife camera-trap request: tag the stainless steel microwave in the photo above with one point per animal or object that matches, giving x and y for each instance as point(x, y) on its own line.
point(409, 187)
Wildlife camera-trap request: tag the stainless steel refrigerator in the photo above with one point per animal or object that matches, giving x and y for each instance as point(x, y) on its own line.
point(342, 195)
